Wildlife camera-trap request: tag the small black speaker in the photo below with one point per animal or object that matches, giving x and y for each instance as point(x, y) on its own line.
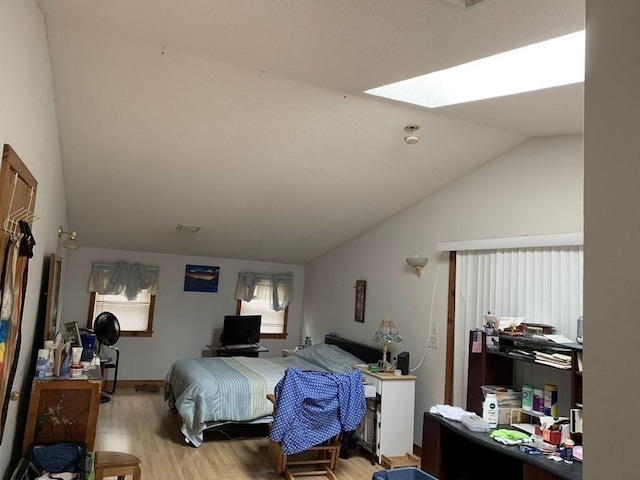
point(402, 363)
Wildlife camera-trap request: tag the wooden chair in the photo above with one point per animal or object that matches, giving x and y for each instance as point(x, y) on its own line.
point(116, 464)
point(321, 459)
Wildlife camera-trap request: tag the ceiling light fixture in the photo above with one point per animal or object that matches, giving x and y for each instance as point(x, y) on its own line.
point(411, 138)
point(552, 63)
point(183, 227)
point(465, 3)
point(71, 242)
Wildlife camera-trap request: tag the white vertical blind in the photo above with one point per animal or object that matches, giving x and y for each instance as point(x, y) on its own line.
point(542, 284)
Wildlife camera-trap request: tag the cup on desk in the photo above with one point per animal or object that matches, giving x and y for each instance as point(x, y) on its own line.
point(76, 353)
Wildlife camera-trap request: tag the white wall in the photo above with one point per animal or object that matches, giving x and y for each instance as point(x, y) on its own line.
point(28, 124)
point(612, 238)
point(184, 322)
point(535, 188)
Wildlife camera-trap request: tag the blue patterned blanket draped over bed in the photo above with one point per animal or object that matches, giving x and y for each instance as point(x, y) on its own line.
point(312, 407)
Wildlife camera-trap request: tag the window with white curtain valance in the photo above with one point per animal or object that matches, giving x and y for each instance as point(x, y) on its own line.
point(542, 284)
point(123, 278)
point(277, 289)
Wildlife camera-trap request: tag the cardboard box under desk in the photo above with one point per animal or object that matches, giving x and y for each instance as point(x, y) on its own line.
point(509, 415)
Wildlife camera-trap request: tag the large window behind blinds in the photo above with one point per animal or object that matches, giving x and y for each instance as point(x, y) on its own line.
point(542, 284)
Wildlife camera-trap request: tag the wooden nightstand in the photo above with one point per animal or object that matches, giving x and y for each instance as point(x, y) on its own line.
point(61, 410)
point(392, 415)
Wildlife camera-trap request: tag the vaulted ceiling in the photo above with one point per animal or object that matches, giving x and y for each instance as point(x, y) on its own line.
point(247, 117)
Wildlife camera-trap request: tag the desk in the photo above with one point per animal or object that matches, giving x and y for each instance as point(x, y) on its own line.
point(451, 451)
point(239, 352)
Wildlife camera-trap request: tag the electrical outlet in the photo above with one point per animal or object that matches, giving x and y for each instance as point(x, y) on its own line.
point(434, 341)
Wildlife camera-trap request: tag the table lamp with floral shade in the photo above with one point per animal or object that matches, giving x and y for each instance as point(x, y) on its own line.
point(386, 333)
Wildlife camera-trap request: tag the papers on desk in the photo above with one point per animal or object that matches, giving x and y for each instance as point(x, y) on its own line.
point(556, 338)
point(449, 412)
point(557, 360)
point(529, 428)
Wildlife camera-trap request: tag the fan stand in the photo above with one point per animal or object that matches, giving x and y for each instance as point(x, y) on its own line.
point(107, 331)
point(106, 363)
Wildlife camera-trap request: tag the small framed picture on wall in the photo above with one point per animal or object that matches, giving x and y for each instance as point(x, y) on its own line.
point(361, 292)
point(201, 278)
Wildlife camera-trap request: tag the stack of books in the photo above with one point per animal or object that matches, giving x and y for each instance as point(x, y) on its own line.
point(553, 359)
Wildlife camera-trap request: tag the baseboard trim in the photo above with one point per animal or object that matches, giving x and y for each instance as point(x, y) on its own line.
point(417, 450)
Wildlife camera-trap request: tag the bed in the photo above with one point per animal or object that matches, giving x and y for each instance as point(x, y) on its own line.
point(214, 392)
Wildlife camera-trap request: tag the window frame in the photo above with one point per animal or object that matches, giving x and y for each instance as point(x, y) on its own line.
point(282, 335)
point(125, 333)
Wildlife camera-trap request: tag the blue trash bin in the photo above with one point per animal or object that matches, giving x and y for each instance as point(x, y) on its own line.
point(404, 473)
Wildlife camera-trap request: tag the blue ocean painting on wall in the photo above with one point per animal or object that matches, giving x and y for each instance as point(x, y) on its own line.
point(199, 278)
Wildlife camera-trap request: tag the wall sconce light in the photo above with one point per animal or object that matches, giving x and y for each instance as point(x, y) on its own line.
point(70, 242)
point(418, 264)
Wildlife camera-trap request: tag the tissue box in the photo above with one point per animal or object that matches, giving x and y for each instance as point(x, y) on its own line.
point(554, 437)
point(369, 390)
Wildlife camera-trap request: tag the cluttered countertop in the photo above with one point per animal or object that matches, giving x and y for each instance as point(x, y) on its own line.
point(547, 459)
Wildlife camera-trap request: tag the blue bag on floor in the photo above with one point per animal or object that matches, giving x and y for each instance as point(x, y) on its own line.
point(55, 457)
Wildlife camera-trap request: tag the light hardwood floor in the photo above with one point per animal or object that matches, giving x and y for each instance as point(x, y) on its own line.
point(142, 424)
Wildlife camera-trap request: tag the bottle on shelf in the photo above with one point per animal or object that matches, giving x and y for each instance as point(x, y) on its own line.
point(568, 451)
point(41, 363)
point(551, 400)
point(527, 397)
point(490, 410)
point(538, 400)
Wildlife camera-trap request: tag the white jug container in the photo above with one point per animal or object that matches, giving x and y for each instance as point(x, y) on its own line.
point(490, 410)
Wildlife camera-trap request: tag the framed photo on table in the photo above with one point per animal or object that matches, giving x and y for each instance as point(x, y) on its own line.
point(73, 333)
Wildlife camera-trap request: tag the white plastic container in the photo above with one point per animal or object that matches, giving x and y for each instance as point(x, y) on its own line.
point(41, 363)
point(527, 397)
point(490, 410)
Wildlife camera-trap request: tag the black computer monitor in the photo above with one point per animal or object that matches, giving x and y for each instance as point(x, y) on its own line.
point(241, 330)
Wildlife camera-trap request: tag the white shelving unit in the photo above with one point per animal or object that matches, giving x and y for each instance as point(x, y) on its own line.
point(396, 400)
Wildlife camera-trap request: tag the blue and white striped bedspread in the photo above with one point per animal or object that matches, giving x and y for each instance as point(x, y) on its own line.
point(217, 389)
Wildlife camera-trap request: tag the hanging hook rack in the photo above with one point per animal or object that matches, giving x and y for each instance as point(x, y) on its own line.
point(11, 224)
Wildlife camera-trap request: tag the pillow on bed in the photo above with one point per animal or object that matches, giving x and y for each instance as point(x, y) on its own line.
point(323, 357)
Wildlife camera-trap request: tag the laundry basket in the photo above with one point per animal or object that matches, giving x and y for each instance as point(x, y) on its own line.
point(404, 473)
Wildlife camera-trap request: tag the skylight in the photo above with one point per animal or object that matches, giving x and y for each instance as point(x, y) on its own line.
point(555, 62)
